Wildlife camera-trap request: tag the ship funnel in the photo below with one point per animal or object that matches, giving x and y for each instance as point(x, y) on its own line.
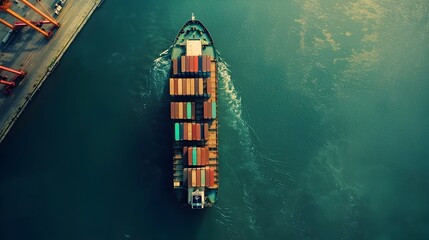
point(193, 17)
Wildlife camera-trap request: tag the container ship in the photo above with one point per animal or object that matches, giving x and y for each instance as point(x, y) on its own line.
point(193, 89)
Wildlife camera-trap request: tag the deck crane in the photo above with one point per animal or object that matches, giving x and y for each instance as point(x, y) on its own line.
point(19, 75)
point(5, 6)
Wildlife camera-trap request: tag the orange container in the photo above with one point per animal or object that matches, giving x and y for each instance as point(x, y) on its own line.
point(200, 86)
point(206, 168)
point(183, 63)
point(189, 156)
point(194, 177)
point(192, 86)
point(198, 132)
point(171, 86)
point(184, 86)
point(194, 131)
point(209, 110)
point(199, 156)
point(175, 86)
point(205, 110)
point(189, 131)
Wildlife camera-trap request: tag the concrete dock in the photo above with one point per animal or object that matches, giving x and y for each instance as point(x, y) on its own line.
point(38, 56)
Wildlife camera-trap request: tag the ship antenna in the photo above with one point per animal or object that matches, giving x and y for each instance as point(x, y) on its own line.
point(193, 17)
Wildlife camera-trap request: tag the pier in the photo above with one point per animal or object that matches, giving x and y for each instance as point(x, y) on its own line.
point(31, 51)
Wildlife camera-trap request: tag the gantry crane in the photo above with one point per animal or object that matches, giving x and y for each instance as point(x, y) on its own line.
point(5, 6)
point(19, 75)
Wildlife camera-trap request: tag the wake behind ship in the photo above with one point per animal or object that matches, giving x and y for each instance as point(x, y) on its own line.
point(194, 90)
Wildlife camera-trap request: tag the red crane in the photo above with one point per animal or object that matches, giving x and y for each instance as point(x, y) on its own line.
point(19, 75)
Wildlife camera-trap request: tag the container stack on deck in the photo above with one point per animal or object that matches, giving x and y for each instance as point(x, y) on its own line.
point(193, 109)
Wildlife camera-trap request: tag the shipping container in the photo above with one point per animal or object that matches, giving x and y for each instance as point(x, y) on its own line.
point(183, 86)
point(194, 156)
point(206, 131)
point(207, 172)
point(207, 152)
point(180, 110)
point(199, 156)
point(176, 112)
point(195, 64)
point(179, 87)
point(198, 132)
point(188, 110)
point(193, 110)
point(192, 86)
point(185, 132)
point(209, 110)
point(171, 86)
point(190, 131)
point(198, 177)
point(203, 177)
point(189, 156)
point(176, 132)
point(208, 86)
point(203, 63)
point(205, 110)
point(175, 86)
point(192, 68)
point(203, 156)
point(172, 114)
point(175, 65)
point(211, 176)
point(188, 64)
point(183, 64)
point(194, 177)
point(200, 86)
point(213, 110)
point(194, 131)
point(190, 177)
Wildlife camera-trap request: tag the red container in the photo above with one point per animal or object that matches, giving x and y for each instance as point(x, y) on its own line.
point(189, 156)
point(198, 177)
point(185, 133)
point(183, 63)
point(189, 178)
point(193, 110)
point(203, 156)
point(206, 131)
point(187, 64)
point(211, 177)
point(195, 63)
point(175, 85)
point(184, 86)
point(184, 110)
point(209, 110)
point(207, 155)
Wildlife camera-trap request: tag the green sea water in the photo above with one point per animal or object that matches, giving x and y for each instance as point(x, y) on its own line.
point(324, 126)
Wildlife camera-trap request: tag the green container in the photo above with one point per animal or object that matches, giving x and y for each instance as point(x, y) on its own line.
point(189, 110)
point(214, 110)
point(194, 156)
point(176, 132)
point(203, 177)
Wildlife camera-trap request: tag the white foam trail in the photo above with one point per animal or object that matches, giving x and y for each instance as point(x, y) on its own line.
point(160, 71)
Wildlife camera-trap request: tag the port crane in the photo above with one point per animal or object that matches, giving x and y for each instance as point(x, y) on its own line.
point(19, 75)
point(5, 6)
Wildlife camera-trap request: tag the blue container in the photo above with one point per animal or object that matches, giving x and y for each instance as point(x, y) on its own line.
point(176, 132)
point(194, 156)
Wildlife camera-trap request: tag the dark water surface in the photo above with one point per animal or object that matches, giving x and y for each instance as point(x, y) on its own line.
point(324, 130)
